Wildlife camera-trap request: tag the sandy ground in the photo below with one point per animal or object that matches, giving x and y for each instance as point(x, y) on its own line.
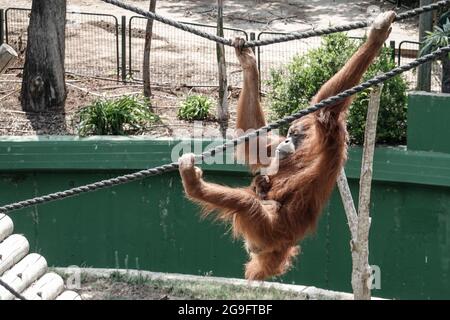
point(255, 15)
point(122, 288)
point(178, 59)
point(126, 286)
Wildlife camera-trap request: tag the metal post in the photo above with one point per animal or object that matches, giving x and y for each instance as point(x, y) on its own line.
point(253, 38)
point(130, 38)
point(124, 48)
point(2, 30)
point(392, 46)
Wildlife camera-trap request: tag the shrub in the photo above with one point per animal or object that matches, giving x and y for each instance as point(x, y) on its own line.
point(125, 115)
point(293, 86)
point(195, 107)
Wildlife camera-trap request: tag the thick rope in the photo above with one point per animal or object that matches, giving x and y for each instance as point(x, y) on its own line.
point(347, 27)
point(283, 38)
point(11, 289)
point(170, 22)
point(232, 143)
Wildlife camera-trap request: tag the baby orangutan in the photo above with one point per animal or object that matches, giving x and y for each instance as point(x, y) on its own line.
point(283, 205)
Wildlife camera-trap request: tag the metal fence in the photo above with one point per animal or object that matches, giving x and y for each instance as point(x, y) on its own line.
point(179, 57)
point(277, 55)
point(92, 41)
point(408, 51)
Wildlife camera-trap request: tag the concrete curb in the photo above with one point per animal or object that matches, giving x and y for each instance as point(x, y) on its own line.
point(309, 292)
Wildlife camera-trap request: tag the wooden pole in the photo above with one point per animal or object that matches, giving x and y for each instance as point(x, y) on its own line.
point(7, 57)
point(222, 108)
point(147, 49)
point(424, 70)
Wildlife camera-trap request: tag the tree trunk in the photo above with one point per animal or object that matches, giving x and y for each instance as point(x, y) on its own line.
point(222, 109)
point(147, 48)
point(43, 84)
point(446, 73)
point(359, 223)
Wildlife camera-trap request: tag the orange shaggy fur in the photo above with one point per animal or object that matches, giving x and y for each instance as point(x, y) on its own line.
point(273, 226)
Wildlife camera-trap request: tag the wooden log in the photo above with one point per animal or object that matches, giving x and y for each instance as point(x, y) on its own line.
point(12, 250)
point(7, 57)
point(6, 227)
point(23, 274)
point(48, 287)
point(69, 295)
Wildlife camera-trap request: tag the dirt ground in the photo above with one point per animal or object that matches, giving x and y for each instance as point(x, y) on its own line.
point(82, 91)
point(187, 62)
point(281, 15)
point(121, 287)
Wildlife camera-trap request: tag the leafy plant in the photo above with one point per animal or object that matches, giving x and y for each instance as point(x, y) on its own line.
point(440, 37)
point(195, 107)
point(124, 115)
point(293, 86)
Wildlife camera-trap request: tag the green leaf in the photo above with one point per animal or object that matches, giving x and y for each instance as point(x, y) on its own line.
point(124, 115)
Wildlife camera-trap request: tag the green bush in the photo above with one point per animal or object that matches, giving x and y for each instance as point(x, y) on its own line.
point(125, 115)
point(293, 86)
point(195, 107)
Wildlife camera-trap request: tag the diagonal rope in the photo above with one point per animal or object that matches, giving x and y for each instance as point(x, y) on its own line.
point(230, 144)
point(283, 38)
point(11, 290)
point(347, 27)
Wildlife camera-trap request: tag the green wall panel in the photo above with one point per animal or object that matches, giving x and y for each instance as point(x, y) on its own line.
point(428, 121)
point(150, 225)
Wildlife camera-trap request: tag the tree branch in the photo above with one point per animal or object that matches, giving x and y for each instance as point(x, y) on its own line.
point(349, 205)
point(361, 270)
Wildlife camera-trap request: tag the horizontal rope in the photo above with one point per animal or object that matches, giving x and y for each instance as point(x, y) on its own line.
point(232, 143)
point(283, 38)
point(170, 22)
point(351, 26)
point(12, 290)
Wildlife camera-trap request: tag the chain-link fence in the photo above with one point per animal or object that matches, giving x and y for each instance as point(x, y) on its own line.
point(279, 54)
point(408, 51)
point(92, 41)
point(179, 57)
